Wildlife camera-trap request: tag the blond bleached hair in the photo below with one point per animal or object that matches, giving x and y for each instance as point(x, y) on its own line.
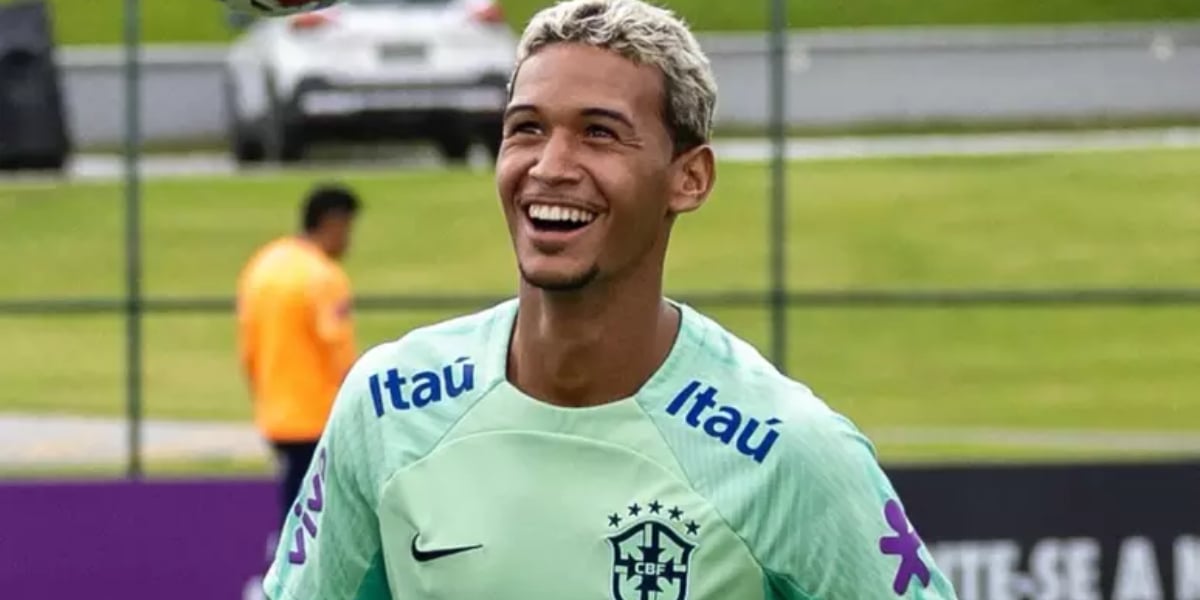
point(646, 35)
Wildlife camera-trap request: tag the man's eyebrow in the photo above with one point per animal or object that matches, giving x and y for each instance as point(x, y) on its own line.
point(605, 113)
point(609, 113)
point(518, 108)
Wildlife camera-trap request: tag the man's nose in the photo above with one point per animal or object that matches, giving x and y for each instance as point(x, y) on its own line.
point(557, 162)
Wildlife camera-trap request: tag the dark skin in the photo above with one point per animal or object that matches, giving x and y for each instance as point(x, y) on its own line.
point(332, 234)
point(585, 129)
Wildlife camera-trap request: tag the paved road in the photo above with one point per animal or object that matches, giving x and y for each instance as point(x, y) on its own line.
point(27, 439)
point(109, 167)
point(833, 77)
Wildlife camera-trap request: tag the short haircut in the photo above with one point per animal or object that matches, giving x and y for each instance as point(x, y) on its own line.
point(646, 35)
point(327, 199)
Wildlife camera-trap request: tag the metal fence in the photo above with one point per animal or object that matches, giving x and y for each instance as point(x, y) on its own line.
point(777, 299)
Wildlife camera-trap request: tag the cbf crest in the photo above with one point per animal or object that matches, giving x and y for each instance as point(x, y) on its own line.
point(651, 552)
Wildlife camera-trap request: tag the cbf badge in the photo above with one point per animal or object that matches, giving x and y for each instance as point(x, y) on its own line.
point(651, 551)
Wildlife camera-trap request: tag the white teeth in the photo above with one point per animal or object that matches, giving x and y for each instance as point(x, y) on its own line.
point(550, 212)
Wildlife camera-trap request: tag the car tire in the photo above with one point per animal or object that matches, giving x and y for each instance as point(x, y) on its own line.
point(491, 127)
point(491, 134)
point(245, 148)
point(452, 136)
point(283, 137)
point(244, 145)
point(46, 163)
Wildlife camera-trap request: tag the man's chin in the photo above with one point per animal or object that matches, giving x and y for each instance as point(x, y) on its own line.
point(559, 281)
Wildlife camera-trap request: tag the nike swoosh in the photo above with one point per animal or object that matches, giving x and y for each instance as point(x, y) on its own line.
point(428, 555)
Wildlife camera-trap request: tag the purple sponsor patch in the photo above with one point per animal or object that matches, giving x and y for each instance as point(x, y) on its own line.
point(905, 544)
point(315, 503)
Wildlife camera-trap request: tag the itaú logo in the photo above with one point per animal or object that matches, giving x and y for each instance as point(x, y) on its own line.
point(724, 423)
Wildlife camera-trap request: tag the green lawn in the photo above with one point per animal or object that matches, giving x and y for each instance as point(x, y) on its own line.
point(1034, 221)
point(99, 21)
point(1107, 219)
point(1120, 368)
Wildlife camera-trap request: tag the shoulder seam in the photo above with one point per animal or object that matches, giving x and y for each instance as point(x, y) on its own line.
point(692, 485)
point(437, 443)
point(484, 392)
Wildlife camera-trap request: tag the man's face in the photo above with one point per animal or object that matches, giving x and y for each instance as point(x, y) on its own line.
point(585, 174)
point(336, 229)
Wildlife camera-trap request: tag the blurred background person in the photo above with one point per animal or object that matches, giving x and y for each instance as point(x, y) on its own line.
point(295, 332)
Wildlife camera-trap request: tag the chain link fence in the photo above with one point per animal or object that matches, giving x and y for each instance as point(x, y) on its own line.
point(779, 297)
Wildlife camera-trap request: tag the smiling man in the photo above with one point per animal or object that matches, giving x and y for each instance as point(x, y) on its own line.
point(592, 439)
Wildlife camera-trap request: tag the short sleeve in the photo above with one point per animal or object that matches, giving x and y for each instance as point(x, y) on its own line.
point(330, 547)
point(332, 305)
point(852, 537)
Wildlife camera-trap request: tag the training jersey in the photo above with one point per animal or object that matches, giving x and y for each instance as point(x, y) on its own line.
point(720, 479)
point(295, 336)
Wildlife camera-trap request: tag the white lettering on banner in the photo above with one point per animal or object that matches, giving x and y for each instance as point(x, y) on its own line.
point(1002, 578)
point(960, 562)
point(1045, 568)
point(1067, 569)
point(1187, 568)
point(1083, 569)
point(988, 570)
point(1137, 571)
point(970, 559)
point(946, 555)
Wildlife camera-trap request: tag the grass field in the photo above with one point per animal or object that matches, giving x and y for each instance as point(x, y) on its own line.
point(99, 21)
point(1034, 221)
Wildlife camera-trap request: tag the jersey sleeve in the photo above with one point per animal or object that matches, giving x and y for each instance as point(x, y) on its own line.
point(329, 546)
point(332, 305)
point(852, 537)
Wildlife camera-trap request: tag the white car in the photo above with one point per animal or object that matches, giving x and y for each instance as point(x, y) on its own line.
point(370, 70)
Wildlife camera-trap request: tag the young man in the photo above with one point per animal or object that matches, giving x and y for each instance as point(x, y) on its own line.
point(593, 439)
point(295, 334)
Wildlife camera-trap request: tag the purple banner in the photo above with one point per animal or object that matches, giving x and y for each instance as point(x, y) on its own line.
point(193, 540)
point(999, 532)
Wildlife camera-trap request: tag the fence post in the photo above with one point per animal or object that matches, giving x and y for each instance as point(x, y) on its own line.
point(133, 274)
point(777, 215)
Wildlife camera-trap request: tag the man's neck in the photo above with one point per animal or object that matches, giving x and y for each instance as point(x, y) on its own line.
point(590, 347)
point(314, 241)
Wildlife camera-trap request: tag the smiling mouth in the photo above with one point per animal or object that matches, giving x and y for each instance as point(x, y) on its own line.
point(557, 218)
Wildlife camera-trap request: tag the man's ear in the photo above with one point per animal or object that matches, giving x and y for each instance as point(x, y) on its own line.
point(694, 176)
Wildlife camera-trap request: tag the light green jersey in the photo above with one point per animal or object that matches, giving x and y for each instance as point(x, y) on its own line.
point(721, 479)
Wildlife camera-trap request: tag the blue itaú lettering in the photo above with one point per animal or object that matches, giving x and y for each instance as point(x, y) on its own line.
point(421, 389)
point(724, 423)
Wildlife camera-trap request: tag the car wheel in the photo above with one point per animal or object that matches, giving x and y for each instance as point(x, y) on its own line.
point(283, 137)
point(244, 145)
point(453, 139)
point(491, 133)
point(35, 163)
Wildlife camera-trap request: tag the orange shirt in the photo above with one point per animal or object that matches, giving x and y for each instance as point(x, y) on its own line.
point(295, 336)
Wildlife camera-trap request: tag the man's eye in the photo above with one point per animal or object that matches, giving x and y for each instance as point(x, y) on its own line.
point(600, 131)
point(523, 127)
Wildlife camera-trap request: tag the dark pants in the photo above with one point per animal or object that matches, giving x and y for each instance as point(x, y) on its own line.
point(294, 457)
